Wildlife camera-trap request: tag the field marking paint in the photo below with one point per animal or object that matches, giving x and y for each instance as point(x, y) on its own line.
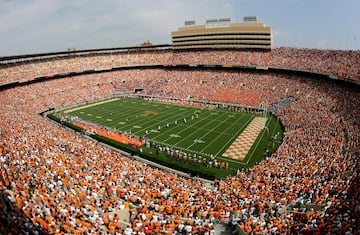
point(167, 131)
point(199, 141)
point(171, 115)
point(236, 134)
point(252, 153)
point(90, 105)
point(242, 145)
point(175, 136)
point(209, 132)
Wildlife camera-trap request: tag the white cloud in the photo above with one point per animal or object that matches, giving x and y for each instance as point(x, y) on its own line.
point(49, 25)
point(84, 23)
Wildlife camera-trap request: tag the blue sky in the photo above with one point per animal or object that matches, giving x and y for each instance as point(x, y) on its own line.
point(31, 26)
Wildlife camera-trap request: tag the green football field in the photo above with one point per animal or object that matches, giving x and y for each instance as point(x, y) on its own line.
point(203, 132)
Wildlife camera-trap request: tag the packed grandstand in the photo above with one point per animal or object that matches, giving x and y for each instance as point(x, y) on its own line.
point(54, 181)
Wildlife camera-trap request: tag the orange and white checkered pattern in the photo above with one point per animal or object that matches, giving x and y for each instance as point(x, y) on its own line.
point(241, 146)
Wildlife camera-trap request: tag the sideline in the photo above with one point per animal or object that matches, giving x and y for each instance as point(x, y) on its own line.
point(135, 157)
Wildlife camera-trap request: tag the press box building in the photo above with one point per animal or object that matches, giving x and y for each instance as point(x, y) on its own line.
point(222, 34)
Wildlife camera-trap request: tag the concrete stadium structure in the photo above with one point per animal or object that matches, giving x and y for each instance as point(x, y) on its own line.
point(222, 33)
point(58, 182)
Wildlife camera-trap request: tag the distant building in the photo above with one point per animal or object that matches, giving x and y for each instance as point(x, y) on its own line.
point(222, 34)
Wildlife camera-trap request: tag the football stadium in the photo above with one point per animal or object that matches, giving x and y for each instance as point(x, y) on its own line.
point(219, 132)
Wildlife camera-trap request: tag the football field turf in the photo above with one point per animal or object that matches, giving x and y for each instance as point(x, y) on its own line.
point(193, 130)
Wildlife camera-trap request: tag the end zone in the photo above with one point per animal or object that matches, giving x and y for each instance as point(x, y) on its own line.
point(241, 146)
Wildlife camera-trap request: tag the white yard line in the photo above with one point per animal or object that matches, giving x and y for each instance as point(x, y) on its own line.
point(179, 124)
point(209, 132)
point(90, 105)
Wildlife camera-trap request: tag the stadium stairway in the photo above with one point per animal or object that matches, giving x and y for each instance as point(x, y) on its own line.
point(356, 149)
point(223, 229)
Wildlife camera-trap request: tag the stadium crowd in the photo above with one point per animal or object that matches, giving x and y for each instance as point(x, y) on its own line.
point(336, 63)
point(53, 180)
